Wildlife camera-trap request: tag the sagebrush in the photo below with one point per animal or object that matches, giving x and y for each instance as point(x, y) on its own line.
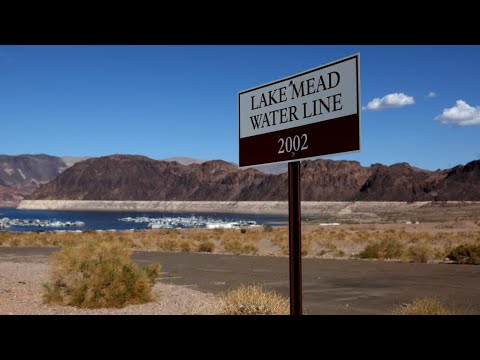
point(424, 306)
point(253, 300)
point(466, 254)
point(98, 274)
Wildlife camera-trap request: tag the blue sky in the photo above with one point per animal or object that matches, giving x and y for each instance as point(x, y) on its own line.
point(163, 101)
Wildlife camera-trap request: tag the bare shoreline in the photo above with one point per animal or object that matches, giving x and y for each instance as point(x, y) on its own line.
point(346, 211)
point(309, 208)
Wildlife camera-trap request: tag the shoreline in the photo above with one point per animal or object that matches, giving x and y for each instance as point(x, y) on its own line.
point(207, 207)
point(358, 211)
point(309, 208)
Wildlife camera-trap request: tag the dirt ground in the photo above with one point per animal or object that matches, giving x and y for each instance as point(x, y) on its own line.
point(200, 263)
point(189, 283)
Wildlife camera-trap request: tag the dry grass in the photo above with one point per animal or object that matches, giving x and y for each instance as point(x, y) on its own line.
point(98, 274)
point(425, 306)
point(411, 243)
point(253, 300)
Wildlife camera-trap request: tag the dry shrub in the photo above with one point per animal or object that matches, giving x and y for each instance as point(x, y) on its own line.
point(98, 274)
point(167, 244)
point(267, 228)
point(238, 247)
point(340, 253)
point(421, 252)
point(466, 254)
point(424, 306)
point(186, 246)
point(384, 249)
point(206, 246)
point(306, 246)
point(253, 300)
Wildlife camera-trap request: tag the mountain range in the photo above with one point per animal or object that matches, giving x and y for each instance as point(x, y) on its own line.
point(20, 175)
point(133, 177)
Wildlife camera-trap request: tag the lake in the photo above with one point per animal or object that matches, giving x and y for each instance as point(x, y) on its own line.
point(41, 220)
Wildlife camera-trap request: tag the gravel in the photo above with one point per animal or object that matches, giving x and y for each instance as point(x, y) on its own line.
point(21, 294)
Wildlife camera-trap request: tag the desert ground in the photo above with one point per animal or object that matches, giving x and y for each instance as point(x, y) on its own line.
point(351, 266)
point(190, 283)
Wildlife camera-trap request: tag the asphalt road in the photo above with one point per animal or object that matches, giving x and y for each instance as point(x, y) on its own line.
point(329, 286)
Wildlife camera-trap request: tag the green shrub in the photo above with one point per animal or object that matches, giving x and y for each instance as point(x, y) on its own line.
point(253, 300)
point(98, 274)
point(466, 254)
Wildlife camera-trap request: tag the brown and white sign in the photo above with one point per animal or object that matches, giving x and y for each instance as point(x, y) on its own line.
point(306, 115)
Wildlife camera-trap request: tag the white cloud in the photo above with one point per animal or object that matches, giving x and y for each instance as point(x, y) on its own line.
point(431, 94)
point(390, 101)
point(461, 114)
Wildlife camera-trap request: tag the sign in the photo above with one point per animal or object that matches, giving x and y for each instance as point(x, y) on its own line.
point(306, 115)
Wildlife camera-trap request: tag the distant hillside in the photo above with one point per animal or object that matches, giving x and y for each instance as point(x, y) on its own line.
point(273, 168)
point(128, 177)
point(185, 160)
point(20, 175)
point(72, 160)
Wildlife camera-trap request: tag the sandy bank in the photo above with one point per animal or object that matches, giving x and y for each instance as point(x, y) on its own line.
point(258, 207)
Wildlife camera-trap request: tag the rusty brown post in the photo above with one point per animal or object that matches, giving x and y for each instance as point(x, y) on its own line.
point(295, 237)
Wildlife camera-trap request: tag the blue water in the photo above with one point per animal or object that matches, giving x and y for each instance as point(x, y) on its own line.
point(97, 220)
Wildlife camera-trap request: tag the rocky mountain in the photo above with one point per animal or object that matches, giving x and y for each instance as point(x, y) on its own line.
point(268, 169)
point(129, 177)
point(402, 182)
point(329, 180)
point(21, 175)
point(398, 182)
point(182, 160)
point(461, 182)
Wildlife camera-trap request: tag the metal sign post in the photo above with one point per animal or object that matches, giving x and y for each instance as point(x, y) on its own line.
point(295, 238)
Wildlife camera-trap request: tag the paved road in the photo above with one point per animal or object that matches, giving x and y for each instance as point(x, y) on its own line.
point(329, 286)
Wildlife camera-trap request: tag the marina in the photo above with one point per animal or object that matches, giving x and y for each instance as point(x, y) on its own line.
point(186, 222)
point(44, 220)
